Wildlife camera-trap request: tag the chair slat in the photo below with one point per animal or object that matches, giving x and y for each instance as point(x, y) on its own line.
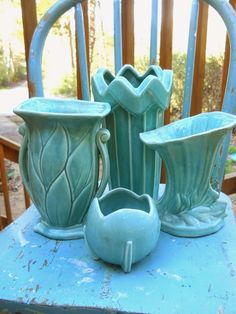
point(200, 59)
point(229, 104)
point(166, 41)
point(117, 35)
point(191, 51)
point(29, 19)
point(154, 33)
point(127, 8)
point(38, 42)
point(82, 54)
point(226, 61)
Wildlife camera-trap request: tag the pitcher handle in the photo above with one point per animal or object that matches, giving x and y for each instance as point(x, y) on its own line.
point(22, 157)
point(102, 137)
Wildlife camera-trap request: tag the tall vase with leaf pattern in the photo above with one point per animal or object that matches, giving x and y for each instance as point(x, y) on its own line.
point(190, 206)
point(59, 161)
point(137, 105)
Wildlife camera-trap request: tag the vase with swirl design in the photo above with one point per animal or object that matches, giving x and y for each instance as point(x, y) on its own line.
point(190, 206)
point(137, 104)
point(59, 161)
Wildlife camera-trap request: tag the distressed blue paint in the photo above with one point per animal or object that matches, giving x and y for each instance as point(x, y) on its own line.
point(154, 32)
point(192, 38)
point(82, 56)
point(38, 41)
point(117, 35)
point(181, 276)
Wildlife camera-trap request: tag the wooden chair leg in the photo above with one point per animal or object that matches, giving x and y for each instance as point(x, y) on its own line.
point(27, 198)
point(1, 224)
point(3, 174)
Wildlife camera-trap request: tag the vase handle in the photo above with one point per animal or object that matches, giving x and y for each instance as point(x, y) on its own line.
point(102, 137)
point(22, 157)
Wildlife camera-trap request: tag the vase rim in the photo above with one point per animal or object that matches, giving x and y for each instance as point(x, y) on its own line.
point(59, 107)
point(128, 194)
point(154, 137)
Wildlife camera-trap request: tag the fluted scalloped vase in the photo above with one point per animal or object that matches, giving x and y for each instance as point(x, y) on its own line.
point(190, 206)
point(138, 103)
point(59, 161)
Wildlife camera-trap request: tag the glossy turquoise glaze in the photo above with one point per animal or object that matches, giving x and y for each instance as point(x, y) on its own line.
point(189, 206)
point(122, 227)
point(137, 102)
point(59, 161)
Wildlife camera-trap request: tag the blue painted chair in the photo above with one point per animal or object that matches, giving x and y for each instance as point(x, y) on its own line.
point(182, 276)
point(60, 7)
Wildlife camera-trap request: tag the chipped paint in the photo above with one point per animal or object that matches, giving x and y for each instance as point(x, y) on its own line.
point(120, 295)
point(77, 262)
point(106, 285)
point(169, 275)
point(46, 16)
point(85, 280)
point(13, 276)
point(22, 239)
point(87, 270)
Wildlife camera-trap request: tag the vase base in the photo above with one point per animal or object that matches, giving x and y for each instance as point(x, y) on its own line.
point(196, 222)
point(57, 233)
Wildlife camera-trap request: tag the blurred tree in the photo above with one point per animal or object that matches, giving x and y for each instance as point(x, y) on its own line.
point(92, 28)
point(12, 66)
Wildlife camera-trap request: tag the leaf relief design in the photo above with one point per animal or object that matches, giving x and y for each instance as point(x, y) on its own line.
point(80, 164)
point(35, 150)
point(58, 201)
point(37, 188)
point(81, 203)
point(55, 150)
point(201, 215)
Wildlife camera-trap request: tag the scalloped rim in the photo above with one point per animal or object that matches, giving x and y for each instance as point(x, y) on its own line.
point(162, 81)
point(131, 195)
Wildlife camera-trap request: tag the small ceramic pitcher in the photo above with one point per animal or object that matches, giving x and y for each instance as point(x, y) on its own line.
point(59, 161)
point(190, 206)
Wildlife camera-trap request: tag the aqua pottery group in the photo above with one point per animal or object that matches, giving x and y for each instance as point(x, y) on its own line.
point(115, 204)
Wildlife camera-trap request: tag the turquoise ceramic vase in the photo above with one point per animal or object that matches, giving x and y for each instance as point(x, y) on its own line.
point(138, 103)
point(59, 161)
point(190, 206)
point(122, 227)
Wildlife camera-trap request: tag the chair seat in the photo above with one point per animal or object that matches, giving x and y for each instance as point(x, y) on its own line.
point(182, 275)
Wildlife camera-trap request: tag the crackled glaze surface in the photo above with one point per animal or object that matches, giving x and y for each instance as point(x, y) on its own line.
point(138, 102)
point(59, 160)
point(190, 206)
